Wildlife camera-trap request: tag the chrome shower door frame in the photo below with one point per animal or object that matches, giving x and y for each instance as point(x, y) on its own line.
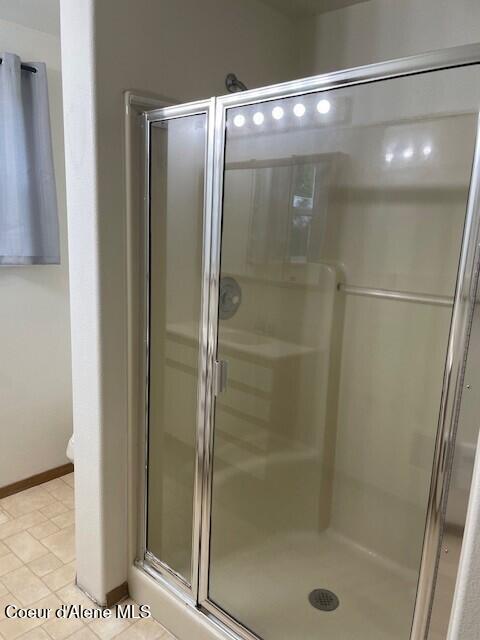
point(197, 594)
point(151, 564)
point(463, 306)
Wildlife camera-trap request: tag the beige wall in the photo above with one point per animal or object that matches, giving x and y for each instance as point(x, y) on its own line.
point(35, 379)
point(380, 30)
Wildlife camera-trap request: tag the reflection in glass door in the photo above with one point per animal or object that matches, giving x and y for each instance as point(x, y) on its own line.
point(342, 226)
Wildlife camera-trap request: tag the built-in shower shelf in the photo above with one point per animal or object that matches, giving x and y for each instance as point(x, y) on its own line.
point(262, 371)
point(245, 343)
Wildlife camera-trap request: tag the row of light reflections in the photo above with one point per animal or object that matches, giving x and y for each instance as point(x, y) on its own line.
point(408, 153)
point(324, 106)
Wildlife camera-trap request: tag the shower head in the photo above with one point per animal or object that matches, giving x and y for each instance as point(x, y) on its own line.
point(233, 84)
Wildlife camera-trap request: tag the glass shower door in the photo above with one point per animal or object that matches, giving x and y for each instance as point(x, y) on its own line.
point(343, 215)
point(177, 150)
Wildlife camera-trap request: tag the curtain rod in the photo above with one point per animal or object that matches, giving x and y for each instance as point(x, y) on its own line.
point(24, 67)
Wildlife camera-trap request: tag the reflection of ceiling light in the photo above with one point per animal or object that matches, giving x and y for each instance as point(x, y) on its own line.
point(277, 113)
point(388, 157)
point(239, 120)
point(324, 106)
point(408, 153)
point(299, 110)
point(258, 118)
point(427, 150)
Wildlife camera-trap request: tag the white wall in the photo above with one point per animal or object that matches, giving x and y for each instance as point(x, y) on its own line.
point(178, 48)
point(35, 380)
point(385, 29)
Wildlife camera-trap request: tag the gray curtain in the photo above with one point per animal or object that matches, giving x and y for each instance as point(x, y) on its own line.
point(28, 199)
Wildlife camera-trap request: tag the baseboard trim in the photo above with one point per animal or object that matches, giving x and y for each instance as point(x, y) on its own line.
point(117, 594)
point(112, 597)
point(33, 481)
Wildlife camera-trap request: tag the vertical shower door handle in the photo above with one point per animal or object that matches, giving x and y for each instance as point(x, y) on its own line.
point(220, 376)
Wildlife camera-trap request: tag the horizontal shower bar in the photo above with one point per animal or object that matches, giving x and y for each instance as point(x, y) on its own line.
point(404, 296)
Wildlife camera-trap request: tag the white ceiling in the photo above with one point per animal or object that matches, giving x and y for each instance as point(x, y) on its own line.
point(42, 15)
point(300, 8)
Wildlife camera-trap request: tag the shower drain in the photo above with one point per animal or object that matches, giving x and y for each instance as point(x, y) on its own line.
point(323, 599)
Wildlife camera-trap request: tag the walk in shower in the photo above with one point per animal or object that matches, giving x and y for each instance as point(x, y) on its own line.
point(311, 279)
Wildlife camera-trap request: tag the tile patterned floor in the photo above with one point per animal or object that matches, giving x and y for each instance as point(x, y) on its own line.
point(37, 569)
